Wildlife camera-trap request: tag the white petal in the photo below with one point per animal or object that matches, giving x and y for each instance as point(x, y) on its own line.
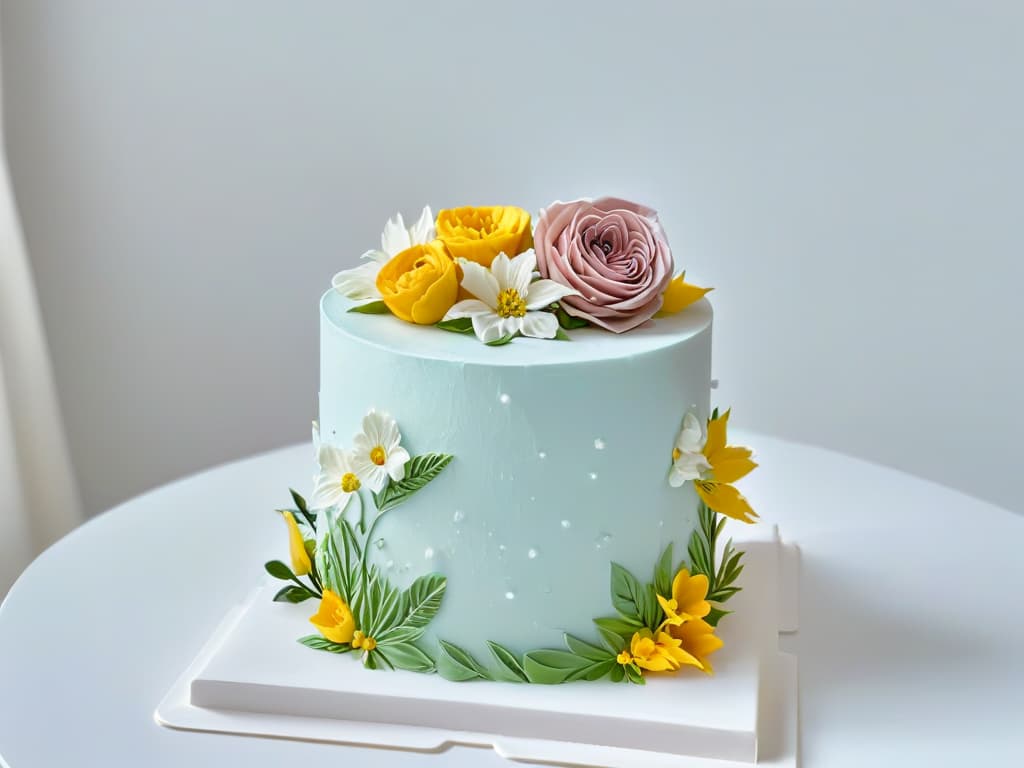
point(487, 327)
point(358, 283)
point(468, 308)
point(423, 230)
point(480, 282)
point(521, 271)
point(501, 268)
point(371, 475)
point(377, 255)
point(541, 293)
point(390, 437)
point(316, 440)
point(539, 325)
point(691, 439)
point(328, 493)
point(373, 427)
point(675, 478)
point(396, 463)
point(332, 461)
point(395, 237)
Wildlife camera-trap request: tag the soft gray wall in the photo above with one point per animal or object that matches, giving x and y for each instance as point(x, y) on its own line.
point(847, 173)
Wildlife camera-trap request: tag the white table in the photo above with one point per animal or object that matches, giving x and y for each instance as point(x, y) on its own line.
point(911, 642)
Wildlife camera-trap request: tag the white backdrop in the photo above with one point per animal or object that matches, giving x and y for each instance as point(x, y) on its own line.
point(847, 173)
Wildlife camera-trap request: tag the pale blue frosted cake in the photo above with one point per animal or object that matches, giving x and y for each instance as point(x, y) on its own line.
point(504, 432)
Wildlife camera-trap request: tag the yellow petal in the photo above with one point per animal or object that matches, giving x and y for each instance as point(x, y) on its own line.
point(671, 609)
point(724, 498)
point(680, 294)
point(731, 463)
point(716, 435)
point(690, 593)
point(697, 638)
point(334, 619)
point(297, 547)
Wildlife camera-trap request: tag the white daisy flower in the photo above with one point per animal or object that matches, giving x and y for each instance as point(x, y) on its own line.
point(688, 459)
point(378, 453)
point(360, 283)
point(337, 480)
point(508, 300)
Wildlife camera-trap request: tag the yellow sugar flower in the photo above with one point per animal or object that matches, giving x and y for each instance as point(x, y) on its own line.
point(680, 294)
point(334, 619)
point(689, 599)
point(296, 546)
point(698, 639)
point(481, 233)
point(657, 652)
point(729, 463)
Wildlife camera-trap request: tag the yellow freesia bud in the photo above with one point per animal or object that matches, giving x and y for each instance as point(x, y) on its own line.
point(301, 564)
point(334, 619)
point(420, 284)
point(480, 234)
point(659, 652)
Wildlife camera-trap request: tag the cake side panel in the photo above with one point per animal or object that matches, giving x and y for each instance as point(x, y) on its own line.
point(559, 470)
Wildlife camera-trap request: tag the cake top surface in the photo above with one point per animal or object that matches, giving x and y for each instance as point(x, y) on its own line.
point(588, 344)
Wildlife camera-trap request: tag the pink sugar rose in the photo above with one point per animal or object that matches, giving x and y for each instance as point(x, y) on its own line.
point(613, 252)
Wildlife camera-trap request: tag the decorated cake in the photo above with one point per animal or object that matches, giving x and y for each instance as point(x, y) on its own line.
point(519, 475)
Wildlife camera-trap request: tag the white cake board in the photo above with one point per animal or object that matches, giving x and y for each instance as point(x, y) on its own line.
point(253, 678)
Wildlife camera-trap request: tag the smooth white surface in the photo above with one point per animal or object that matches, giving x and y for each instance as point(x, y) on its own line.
point(909, 641)
point(251, 665)
point(847, 173)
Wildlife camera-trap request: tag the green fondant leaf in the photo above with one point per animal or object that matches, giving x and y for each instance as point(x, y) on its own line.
point(568, 321)
point(293, 594)
point(509, 668)
point(549, 667)
point(601, 669)
point(561, 335)
point(663, 573)
point(634, 675)
point(502, 341)
point(279, 570)
point(459, 325)
point(455, 664)
point(617, 631)
point(632, 599)
point(617, 674)
point(716, 615)
point(405, 656)
point(373, 308)
point(585, 650)
point(424, 596)
point(323, 644)
point(419, 471)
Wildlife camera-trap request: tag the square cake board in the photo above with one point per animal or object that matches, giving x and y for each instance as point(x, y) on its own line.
point(253, 678)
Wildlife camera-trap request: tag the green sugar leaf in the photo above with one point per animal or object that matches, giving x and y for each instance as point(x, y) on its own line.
point(279, 570)
point(406, 656)
point(509, 668)
point(458, 325)
point(323, 644)
point(373, 308)
point(419, 471)
point(293, 594)
point(455, 664)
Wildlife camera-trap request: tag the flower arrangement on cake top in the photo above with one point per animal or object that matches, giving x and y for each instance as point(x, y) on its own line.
point(485, 270)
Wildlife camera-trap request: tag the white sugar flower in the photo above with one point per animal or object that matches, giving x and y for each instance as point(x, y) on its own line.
point(360, 283)
point(337, 480)
point(508, 301)
point(688, 459)
point(378, 453)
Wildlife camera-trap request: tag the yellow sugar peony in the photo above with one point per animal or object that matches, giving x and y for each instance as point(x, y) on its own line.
point(480, 234)
point(419, 284)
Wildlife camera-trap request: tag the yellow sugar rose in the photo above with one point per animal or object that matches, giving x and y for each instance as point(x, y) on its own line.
point(480, 234)
point(419, 284)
